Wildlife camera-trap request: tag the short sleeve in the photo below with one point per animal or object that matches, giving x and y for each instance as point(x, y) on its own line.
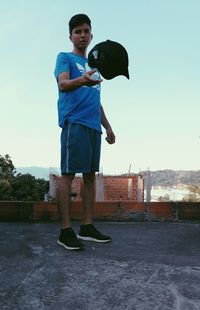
point(62, 64)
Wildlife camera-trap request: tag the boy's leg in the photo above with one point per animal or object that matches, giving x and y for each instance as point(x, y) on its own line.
point(64, 199)
point(88, 192)
point(88, 196)
point(67, 237)
point(87, 229)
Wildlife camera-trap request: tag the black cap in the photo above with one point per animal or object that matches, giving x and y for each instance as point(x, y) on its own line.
point(110, 58)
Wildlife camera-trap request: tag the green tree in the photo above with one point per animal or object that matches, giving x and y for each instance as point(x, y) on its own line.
point(194, 194)
point(7, 172)
point(7, 169)
point(5, 190)
point(26, 187)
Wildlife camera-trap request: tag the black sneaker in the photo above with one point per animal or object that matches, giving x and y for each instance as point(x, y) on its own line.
point(69, 240)
point(90, 233)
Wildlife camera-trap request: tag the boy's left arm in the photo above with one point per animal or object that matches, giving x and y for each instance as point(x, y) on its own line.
point(110, 138)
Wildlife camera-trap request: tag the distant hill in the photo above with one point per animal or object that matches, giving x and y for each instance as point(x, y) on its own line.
point(38, 172)
point(158, 177)
point(172, 177)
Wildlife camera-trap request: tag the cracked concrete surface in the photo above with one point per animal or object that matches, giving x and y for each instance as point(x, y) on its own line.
point(148, 266)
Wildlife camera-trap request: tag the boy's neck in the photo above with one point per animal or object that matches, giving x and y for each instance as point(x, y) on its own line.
point(82, 53)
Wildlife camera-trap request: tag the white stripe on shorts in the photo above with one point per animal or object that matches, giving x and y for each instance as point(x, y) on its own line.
point(67, 155)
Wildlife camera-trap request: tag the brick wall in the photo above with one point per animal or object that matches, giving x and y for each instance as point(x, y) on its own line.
point(108, 188)
point(107, 210)
point(120, 188)
point(76, 188)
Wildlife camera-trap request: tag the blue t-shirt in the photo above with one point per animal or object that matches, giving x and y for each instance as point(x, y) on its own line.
point(81, 105)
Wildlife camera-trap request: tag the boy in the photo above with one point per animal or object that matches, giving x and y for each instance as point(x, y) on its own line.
point(80, 117)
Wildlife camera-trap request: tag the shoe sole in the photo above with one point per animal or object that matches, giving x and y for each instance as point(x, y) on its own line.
point(70, 248)
point(93, 239)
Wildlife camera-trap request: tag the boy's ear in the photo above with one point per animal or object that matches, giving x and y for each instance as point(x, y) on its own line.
point(91, 36)
point(70, 37)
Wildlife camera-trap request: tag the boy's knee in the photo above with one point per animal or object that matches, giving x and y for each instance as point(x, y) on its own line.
point(66, 180)
point(89, 178)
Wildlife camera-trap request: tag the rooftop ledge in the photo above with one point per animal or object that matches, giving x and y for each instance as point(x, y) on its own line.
point(106, 210)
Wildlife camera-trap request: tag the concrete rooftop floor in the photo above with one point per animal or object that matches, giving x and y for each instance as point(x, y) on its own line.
point(147, 266)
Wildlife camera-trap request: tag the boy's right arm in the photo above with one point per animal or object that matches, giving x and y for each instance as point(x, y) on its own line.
point(65, 84)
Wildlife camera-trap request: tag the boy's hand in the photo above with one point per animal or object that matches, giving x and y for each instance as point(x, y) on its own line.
point(110, 136)
point(88, 79)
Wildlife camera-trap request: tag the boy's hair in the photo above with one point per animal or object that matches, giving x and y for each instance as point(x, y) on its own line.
point(78, 20)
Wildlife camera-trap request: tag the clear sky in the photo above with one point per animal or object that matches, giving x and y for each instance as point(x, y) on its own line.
point(155, 114)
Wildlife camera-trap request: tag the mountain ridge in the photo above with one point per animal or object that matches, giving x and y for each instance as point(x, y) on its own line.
point(165, 177)
point(38, 172)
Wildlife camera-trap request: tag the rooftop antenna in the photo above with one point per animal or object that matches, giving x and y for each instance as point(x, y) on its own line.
point(129, 169)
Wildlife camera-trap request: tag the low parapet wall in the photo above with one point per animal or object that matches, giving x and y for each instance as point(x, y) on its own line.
point(119, 211)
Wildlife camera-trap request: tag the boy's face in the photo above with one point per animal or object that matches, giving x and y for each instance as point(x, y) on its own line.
point(81, 36)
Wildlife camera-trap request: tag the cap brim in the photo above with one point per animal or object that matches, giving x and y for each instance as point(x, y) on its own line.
point(126, 74)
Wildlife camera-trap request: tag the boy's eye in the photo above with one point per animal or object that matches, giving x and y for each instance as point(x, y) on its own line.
point(86, 31)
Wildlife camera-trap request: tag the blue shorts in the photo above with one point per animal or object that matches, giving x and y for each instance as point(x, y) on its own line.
point(80, 149)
